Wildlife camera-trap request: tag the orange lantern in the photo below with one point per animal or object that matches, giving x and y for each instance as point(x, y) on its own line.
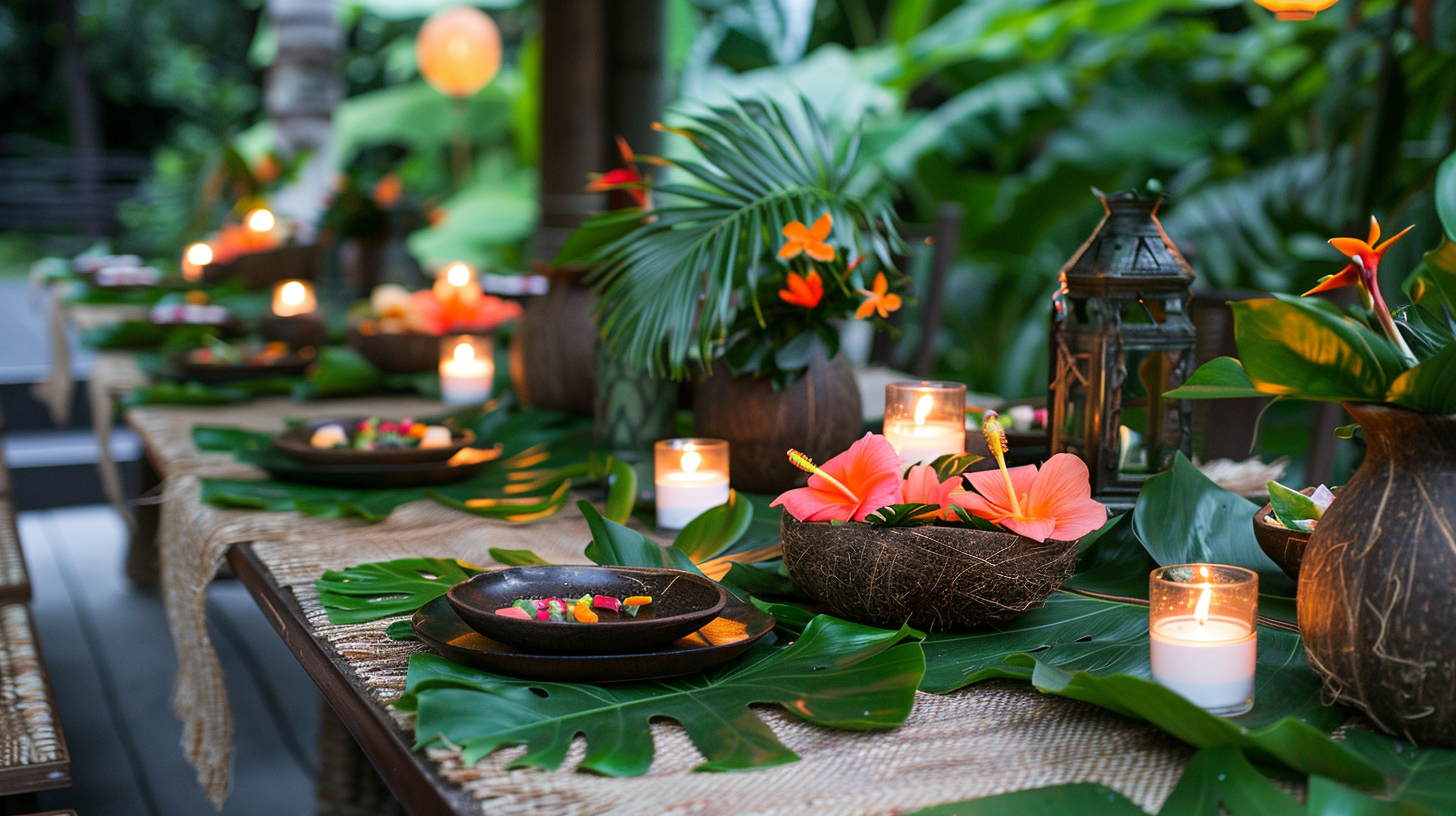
point(458, 50)
point(1295, 9)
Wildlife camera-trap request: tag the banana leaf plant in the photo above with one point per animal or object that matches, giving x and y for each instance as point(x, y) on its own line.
point(1307, 348)
point(755, 250)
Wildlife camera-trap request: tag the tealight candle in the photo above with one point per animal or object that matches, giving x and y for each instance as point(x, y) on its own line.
point(691, 477)
point(467, 369)
point(925, 420)
point(1204, 641)
point(457, 282)
point(292, 298)
point(194, 259)
point(259, 220)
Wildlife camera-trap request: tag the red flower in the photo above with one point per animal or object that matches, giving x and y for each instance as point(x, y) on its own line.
point(627, 178)
point(850, 486)
point(803, 291)
point(1054, 502)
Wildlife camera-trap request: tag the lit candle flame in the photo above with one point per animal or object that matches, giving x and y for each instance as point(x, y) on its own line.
point(690, 461)
point(458, 274)
point(1200, 612)
point(199, 254)
point(260, 220)
point(464, 353)
point(922, 408)
point(292, 293)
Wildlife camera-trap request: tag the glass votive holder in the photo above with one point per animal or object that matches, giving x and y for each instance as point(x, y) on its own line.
point(691, 477)
point(294, 298)
point(467, 369)
point(925, 420)
point(1204, 639)
point(457, 281)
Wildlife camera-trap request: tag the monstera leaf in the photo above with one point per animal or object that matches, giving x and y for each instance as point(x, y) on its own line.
point(1426, 776)
point(380, 589)
point(837, 674)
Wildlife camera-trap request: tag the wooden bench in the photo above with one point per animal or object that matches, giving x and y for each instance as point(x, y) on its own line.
point(33, 755)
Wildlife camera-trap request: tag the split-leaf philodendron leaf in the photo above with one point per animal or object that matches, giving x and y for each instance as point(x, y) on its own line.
point(837, 674)
point(379, 589)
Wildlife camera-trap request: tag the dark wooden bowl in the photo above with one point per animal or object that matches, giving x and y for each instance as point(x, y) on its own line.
point(218, 373)
point(1284, 546)
point(294, 442)
point(935, 578)
point(398, 353)
point(682, 603)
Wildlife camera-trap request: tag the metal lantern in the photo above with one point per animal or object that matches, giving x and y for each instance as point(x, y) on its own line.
point(1121, 338)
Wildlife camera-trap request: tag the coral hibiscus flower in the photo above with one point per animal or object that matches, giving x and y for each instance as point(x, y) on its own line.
point(923, 486)
point(848, 487)
point(804, 290)
point(878, 299)
point(808, 240)
point(1054, 502)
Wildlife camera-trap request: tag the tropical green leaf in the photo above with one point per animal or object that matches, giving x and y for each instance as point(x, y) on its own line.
point(518, 558)
point(837, 674)
point(1290, 505)
point(400, 630)
point(1327, 797)
point(1182, 517)
point(617, 545)
point(1435, 278)
point(1423, 775)
point(1295, 347)
point(1080, 798)
point(765, 579)
point(379, 589)
point(952, 465)
point(1218, 378)
point(903, 515)
point(621, 490)
point(717, 529)
point(1446, 195)
point(1429, 387)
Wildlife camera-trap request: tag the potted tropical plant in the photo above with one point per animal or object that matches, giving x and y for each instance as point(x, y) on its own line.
point(742, 266)
point(935, 546)
point(1376, 606)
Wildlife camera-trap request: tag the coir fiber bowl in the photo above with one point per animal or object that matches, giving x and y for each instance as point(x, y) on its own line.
point(1284, 546)
point(295, 443)
point(681, 604)
point(936, 578)
point(398, 353)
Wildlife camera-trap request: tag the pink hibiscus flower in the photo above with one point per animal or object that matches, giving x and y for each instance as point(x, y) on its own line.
point(848, 487)
point(1054, 502)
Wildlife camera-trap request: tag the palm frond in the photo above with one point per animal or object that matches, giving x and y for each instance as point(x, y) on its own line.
point(671, 288)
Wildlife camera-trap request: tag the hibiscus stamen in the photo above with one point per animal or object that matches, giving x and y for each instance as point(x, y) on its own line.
point(996, 441)
point(807, 465)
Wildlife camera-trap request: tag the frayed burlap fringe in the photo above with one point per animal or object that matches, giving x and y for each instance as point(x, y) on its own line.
point(27, 717)
point(991, 738)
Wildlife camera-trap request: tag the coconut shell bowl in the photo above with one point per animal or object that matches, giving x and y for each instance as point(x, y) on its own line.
point(934, 578)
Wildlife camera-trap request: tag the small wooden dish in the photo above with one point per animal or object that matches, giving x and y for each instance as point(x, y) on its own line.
point(1284, 546)
point(398, 353)
point(295, 443)
point(935, 578)
point(682, 603)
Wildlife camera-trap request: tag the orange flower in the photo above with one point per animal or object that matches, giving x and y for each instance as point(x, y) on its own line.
point(388, 190)
point(1363, 273)
point(627, 178)
point(923, 486)
point(803, 291)
point(1054, 502)
point(879, 300)
point(808, 240)
point(850, 486)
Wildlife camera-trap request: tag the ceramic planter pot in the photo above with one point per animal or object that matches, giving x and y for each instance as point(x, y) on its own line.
point(1377, 586)
point(936, 578)
point(1284, 546)
point(554, 350)
point(819, 415)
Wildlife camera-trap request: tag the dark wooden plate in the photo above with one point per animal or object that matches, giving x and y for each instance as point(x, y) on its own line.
point(682, 602)
point(383, 477)
point(215, 373)
point(721, 639)
point(294, 442)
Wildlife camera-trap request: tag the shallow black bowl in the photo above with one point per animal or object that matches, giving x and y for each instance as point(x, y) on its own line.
point(721, 639)
point(218, 373)
point(681, 603)
point(294, 442)
point(382, 477)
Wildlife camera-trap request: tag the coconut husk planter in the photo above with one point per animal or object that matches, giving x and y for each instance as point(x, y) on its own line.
point(936, 578)
point(1377, 608)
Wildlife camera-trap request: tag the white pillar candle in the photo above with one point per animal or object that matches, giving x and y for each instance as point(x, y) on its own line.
point(925, 420)
point(1209, 662)
point(691, 477)
point(923, 444)
point(465, 377)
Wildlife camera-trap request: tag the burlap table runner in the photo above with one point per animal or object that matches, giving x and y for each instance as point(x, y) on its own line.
point(28, 734)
